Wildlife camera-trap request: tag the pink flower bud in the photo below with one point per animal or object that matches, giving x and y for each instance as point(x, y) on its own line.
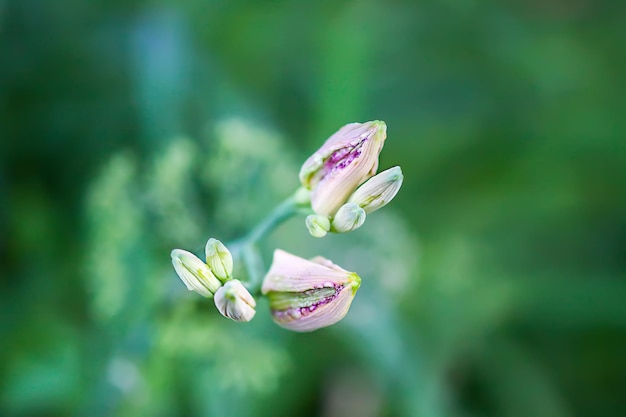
point(346, 160)
point(308, 295)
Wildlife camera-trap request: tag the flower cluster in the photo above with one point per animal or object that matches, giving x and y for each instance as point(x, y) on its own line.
point(341, 178)
point(342, 187)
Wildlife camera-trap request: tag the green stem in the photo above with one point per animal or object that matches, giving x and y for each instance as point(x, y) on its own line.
point(246, 248)
point(282, 212)
point(256, 270)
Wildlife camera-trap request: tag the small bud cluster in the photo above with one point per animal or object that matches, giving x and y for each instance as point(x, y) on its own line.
point(213, 279)
point(341, 178)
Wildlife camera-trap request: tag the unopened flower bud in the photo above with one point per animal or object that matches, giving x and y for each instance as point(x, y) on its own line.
point(194, 273)
point(349, 217)
point(378, 190)
point(346, 160)
point(235, 302)
point(219, 259)
point(302, 196)
point(308, 295)
point(318, 225)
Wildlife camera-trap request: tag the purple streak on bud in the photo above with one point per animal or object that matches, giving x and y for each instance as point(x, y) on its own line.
point(298, 312)
point(343, 157)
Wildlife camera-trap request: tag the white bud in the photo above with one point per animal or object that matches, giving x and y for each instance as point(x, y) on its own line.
point(219, 259)
point(349, 217)
point(318, 225)
point(378, 190)
point(235, 302)
point(194, 273)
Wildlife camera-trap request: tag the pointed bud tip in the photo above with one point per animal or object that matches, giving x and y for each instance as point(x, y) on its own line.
point(395, 173)
point(379, 127)
point(379, 124)
point(355, 281)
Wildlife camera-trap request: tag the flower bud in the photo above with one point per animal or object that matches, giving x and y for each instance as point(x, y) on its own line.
point(235, 302)
point(219, 259)
point(318, 225)
point(194, 273)
point(308, 295)
point(302, 197)
point(346, 160)
point(378, 190)
point(349, 217)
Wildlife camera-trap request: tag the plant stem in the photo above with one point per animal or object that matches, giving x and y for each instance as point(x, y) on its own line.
point(247, 249)
point(256, 270)
point(282, 212)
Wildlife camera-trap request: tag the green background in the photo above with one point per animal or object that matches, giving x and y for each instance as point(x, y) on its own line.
point(493, 285)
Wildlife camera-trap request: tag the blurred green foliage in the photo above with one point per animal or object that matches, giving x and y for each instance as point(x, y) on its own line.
point(492, 286)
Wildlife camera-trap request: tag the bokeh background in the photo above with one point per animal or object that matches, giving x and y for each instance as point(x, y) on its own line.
point(492, 286)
